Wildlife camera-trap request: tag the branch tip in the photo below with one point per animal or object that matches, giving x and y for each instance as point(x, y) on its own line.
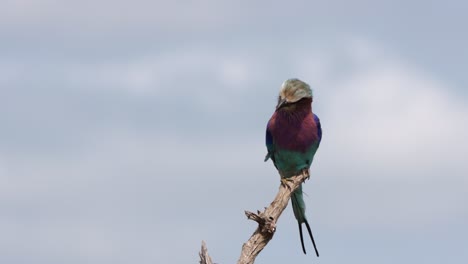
point(204, 257)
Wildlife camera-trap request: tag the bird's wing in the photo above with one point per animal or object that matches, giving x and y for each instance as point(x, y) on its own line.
point(319, 128)
point(270, 146)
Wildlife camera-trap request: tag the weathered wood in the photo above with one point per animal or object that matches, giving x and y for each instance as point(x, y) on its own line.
point(204, 257)
point(267, 219)
point(266, 222)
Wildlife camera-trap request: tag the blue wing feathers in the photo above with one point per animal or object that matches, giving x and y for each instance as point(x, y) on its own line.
point(319, 127)
point(270, 147)
point(268, 139)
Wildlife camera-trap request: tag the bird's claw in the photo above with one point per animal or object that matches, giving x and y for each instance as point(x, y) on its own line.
point(284, 182)
point(306, 173)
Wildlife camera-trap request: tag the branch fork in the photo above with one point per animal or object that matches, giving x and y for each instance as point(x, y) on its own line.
point(266, 224)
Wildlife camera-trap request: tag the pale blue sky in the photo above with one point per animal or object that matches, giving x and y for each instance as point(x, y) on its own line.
point(132, 130)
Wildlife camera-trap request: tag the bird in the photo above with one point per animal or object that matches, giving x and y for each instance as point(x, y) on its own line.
point(293, 135)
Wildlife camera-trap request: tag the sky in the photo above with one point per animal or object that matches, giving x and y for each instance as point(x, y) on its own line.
point(133, 130)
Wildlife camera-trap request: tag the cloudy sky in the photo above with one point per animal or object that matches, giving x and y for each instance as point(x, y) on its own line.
point(132, 130)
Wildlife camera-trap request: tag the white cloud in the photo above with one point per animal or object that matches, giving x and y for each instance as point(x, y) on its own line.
point(392, 112)
point(392, 146)
point(106, 16)
point(211, 79)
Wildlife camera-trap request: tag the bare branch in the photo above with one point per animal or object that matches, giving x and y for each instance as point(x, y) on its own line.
point(267, 219)
point(204, 257)
point(266, 222)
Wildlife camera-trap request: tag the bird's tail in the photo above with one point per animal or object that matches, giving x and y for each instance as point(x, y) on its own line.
point(298, 206)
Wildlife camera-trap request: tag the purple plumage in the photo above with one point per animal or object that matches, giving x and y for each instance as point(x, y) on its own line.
point(294, 129)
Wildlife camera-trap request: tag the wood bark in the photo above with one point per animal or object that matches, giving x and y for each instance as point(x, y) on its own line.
point(204, 257)
point(266, 220)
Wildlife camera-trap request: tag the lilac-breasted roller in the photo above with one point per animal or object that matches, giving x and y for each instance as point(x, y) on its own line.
point(293, 136)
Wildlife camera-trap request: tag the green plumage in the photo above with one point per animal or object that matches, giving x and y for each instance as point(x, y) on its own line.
point(290, 163)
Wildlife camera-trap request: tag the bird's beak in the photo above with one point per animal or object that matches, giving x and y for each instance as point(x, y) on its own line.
point(281, 103)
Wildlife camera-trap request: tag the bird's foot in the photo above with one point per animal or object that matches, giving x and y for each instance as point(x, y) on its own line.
point(285, 181)
point(306, 173)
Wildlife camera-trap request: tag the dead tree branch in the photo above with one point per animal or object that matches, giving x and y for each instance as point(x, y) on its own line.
point(266, 221)
point(204, 257)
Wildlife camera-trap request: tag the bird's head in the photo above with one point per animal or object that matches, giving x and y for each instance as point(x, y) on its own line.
point(292, 91)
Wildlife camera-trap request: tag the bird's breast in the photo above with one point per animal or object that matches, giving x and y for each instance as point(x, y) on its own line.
point(293, 132)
